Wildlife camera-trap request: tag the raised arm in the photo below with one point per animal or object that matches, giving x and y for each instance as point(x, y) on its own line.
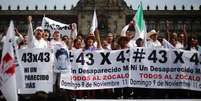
point(185, 33)
point(71, 42)
point(21, 38)
point(29, 18)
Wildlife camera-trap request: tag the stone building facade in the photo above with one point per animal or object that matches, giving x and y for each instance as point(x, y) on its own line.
point(112, 16)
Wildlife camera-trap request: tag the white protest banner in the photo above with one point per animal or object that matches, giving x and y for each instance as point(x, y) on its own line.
point(64, 29)
point(164, 68)
point(37, 70)
point(97, 70)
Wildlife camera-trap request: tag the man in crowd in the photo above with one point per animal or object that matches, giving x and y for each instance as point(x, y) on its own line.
point(152, 39)
point(38, 40)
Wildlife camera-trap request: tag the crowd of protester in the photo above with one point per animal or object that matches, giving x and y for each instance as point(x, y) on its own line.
point(92, 42)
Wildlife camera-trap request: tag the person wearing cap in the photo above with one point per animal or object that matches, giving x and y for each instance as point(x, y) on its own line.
point(153, 42)
point(39, 42)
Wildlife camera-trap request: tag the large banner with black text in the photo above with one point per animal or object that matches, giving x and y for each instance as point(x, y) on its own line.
point(97, 70)
point(164, 68)
point(37, 70)
point(137, 67)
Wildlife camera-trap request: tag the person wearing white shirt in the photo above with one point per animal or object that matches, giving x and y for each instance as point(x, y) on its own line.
point(153, 42)
point(56, 41)
point(39, 42)
point(132, 40)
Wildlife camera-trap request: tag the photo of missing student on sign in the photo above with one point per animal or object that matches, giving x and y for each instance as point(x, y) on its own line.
point(61, 60)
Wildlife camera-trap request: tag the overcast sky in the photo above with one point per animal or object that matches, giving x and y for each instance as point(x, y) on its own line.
point(68, 3)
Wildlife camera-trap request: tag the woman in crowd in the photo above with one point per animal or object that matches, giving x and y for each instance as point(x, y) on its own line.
point(77, 45)
point(123, 42)
point(90, 42)
point(68, 41)
point(173, 39)
point(182, 38)
point(192, 44)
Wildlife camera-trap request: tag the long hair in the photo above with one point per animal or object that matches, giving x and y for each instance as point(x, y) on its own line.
point(189, 43)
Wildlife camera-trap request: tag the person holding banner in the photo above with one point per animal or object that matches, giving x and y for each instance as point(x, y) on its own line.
point(39, 42)
point(174, 40)
point(90, 46)
point(60, 57)
point(178, 41)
